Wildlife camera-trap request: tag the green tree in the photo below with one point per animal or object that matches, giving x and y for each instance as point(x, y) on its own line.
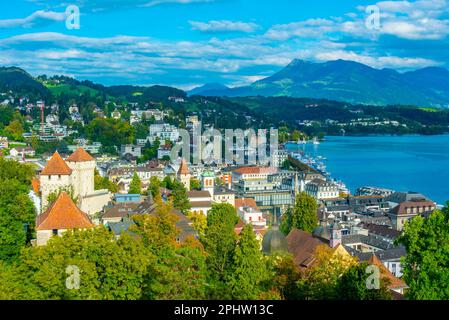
point(17, 212)
point(55, 194)
point(319, 282)
point(303, 215)
point(104, 183)
point(108, 268)
point(195, 184)
point(199, 221)
point(248, 267)
point(15, 130)
point(154, 187)
point(135, 187)
point(180, 198)
point(219, 242)
point(352, 285)
point(284, 275)
point(425, 267)
point(179, 270)
point(110, 132)
point(168, 183)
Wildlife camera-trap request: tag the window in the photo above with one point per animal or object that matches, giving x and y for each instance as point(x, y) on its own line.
point(55, 232)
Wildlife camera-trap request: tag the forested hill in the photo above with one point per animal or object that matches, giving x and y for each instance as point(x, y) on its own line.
point(320, 115)
point(350, 82)
point(21, 82)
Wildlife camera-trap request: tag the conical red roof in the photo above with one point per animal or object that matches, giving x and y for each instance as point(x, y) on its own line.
point(80, 155)
point(394, 281)
point(56, 166)
point(183, 169)
point(63, 214)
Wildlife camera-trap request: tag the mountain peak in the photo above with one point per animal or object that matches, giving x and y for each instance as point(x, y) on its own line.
point(208, 89)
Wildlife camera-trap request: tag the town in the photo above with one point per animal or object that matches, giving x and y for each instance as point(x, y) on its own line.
point(82, 183)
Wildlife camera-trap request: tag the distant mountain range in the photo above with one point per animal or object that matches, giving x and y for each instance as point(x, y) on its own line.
point(21, 82)
point(346, 81)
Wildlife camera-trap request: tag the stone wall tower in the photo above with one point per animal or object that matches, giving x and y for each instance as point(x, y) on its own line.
point(184, 174)
point(56, 176)
point(83, 168)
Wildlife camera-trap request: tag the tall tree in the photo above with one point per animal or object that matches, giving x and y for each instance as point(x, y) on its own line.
point(284, 275)
point(180, 198)
point(195, 184)
point(82, 264)
point(178, 271)
point(154, 187)
point(135, 187)
point(219, 242)
point(319, 282)
point(425, 268)
point(248, 268)
point(17, 212)
point(303, 215)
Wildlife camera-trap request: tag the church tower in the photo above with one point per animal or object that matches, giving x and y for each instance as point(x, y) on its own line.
point(83, 167)
point(208, 183)
point(335, 239)
point(184, 174)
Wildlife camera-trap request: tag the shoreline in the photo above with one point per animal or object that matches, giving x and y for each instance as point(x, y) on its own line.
point(430, 190)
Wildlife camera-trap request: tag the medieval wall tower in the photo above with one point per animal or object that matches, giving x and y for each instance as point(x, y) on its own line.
point(83, 171)
point(184, 174)
point(56, 176)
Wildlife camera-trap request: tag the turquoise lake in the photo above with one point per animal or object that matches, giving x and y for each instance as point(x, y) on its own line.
point(401, 163)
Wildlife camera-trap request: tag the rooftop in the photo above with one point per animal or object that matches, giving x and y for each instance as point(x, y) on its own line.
point(56, 166)
point(63, 214)
point(80, 155)
point(183, 168)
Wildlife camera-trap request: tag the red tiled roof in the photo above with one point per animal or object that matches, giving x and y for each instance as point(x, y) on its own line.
point(201, 204)
point(395, 283)
point(183, 169)
point(80, 155)
point(198, 194)
point(303, 245)
point(246, 202)
point(56, 166)
point(255, 170)
point(35, 183)
point(401, 209)
point(63, 214)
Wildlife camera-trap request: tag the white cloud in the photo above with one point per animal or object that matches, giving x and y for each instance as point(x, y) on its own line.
point(158, 2)
point(224, 26)
point(32, 19)
point(377, 62)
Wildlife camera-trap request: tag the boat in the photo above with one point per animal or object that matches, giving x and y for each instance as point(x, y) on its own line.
point(315, 141)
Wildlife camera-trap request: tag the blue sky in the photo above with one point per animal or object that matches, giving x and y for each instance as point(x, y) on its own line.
point(186, 43)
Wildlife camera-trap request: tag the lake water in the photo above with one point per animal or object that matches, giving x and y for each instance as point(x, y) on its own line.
point(401, 163)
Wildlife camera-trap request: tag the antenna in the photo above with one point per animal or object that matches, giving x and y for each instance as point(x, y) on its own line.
point(42, 118)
